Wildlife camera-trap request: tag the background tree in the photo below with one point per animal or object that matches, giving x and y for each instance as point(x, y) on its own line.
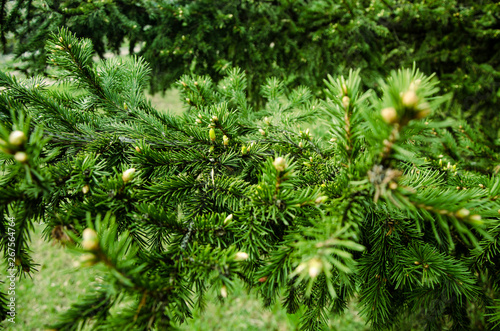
point(300, 42)
point(375, 200)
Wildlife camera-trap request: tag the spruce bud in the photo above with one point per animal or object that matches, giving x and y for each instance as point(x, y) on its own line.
point(345, 101)
point(215, 118)
point(262, 132)
point(344, 89)
point(211, 134)
point(389, 115)
point(90, 241)
point(476, 219)
point(462, 213)
point(279, 163)
point(228, 219)
point(241, 256)
point(137, 149)
point(243, 150)
point(17, 138)
point(301, 144)
point(225, 140)
point(266, 120)
point(198, 121)
point(315, 267)
point(321, 199)
point(87, 260)
point(410, 99)
point(223, 291)
point(85, 189)
point(21, 157)
point(128, 175)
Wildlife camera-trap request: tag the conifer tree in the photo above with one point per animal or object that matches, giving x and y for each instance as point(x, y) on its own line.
point(313, 202)
point(300, 42)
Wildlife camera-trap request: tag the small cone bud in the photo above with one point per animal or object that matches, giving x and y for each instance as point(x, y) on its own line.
point(85, 189)
point(321, 199)
point(266, 120)
point(228, 219)
point(279, 163)
point(198, 121)
point(128, 175)
point(241, 256)
point(211, 134)
point(215, 118)
point(243, 150)
point(410, 99)
point(393, 185)
point(462, 213)
point(87, 260)
point(223, 291)
point(125, 106)
point(476, 219)
point(389, 115)
point(315, 267)
point(17, 138)
point(344, 89)
point(137, 149)
point(225, 139)
point(262, 279)
point(90, 241)
point(301, 145)
point(262, 132)
point(21, 157)
point(345, 101)
point(211, 149)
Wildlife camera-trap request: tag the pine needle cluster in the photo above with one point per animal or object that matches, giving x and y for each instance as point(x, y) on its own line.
point(361, 195)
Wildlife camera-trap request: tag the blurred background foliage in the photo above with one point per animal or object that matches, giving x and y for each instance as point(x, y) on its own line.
point(298, 41)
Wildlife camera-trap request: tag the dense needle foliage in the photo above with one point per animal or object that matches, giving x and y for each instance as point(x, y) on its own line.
point(312, 202)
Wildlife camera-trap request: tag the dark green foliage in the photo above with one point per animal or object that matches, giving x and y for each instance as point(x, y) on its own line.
point(313, 202)
point(300, 42)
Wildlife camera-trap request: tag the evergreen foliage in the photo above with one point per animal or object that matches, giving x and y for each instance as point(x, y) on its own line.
point(300, 42)
point(314, 202)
